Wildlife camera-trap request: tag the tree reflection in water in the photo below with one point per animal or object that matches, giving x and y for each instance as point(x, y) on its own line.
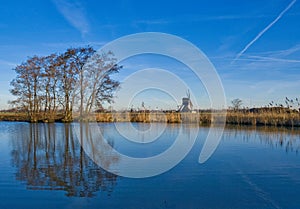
point(49, 157)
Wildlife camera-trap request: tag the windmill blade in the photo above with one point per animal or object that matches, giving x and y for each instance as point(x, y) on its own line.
point(188, 94)
point(191, 104)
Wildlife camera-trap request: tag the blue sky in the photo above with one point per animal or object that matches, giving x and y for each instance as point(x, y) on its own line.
point(254, 45)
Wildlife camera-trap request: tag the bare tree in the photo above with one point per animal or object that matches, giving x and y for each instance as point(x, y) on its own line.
point(236, 104)
point(51, 78)
point(71, 63)
point(77, 78)
point(99, 86)
point(66, 84)
point(27, 86)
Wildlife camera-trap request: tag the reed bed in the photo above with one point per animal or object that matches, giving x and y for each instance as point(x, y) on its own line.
point(267, 119)
point(204, 118)
point(288, 119)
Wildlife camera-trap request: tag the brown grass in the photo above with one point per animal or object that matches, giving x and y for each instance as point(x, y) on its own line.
point(291, 119)
point(266, 119)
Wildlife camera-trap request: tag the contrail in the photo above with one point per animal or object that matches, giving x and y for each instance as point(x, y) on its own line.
point(264, 30)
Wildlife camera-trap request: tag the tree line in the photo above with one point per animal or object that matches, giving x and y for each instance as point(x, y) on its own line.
point(77, 79)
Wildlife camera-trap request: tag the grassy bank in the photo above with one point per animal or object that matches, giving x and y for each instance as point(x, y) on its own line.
point(266, 119)
point(23, 117)
point(10, 116)
point(284, 119)
point(236, 118)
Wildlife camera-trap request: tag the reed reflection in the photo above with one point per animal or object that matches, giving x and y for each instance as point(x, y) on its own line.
point(49, 157)
point(286, 138)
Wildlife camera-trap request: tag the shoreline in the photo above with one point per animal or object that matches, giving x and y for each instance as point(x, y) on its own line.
point(291, 119)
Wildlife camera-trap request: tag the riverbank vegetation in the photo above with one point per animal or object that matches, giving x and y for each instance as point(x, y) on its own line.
point(254, 117)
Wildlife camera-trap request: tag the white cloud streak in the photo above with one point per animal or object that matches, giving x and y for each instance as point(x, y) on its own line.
point(289, 51)
point(74, 13)
point(7, 63)
point(65, 45)
point(264, 30)
point(152, 22)
point(261, 58)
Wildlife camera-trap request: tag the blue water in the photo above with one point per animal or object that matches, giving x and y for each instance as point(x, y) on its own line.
point(44, 166)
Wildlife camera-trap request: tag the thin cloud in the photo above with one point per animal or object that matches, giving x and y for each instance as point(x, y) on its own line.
point(261, 58)
point(281, 53)
point(73, 44)
point(74, 13)
point(197, 18)
point(264, 30)
point(289, 51)
point(152, 22)
point(7, 63)
point(229, 17)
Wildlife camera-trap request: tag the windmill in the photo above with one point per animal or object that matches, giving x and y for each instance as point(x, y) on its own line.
point(187, 104)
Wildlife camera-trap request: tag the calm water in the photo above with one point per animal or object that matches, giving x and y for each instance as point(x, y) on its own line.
point(44, 166)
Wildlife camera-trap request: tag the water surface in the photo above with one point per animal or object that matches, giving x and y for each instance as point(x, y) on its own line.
point(44, 166)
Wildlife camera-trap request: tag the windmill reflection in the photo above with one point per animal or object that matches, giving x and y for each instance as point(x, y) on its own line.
point(49, 157)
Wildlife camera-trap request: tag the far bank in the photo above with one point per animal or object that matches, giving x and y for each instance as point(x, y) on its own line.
point(254, 118)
